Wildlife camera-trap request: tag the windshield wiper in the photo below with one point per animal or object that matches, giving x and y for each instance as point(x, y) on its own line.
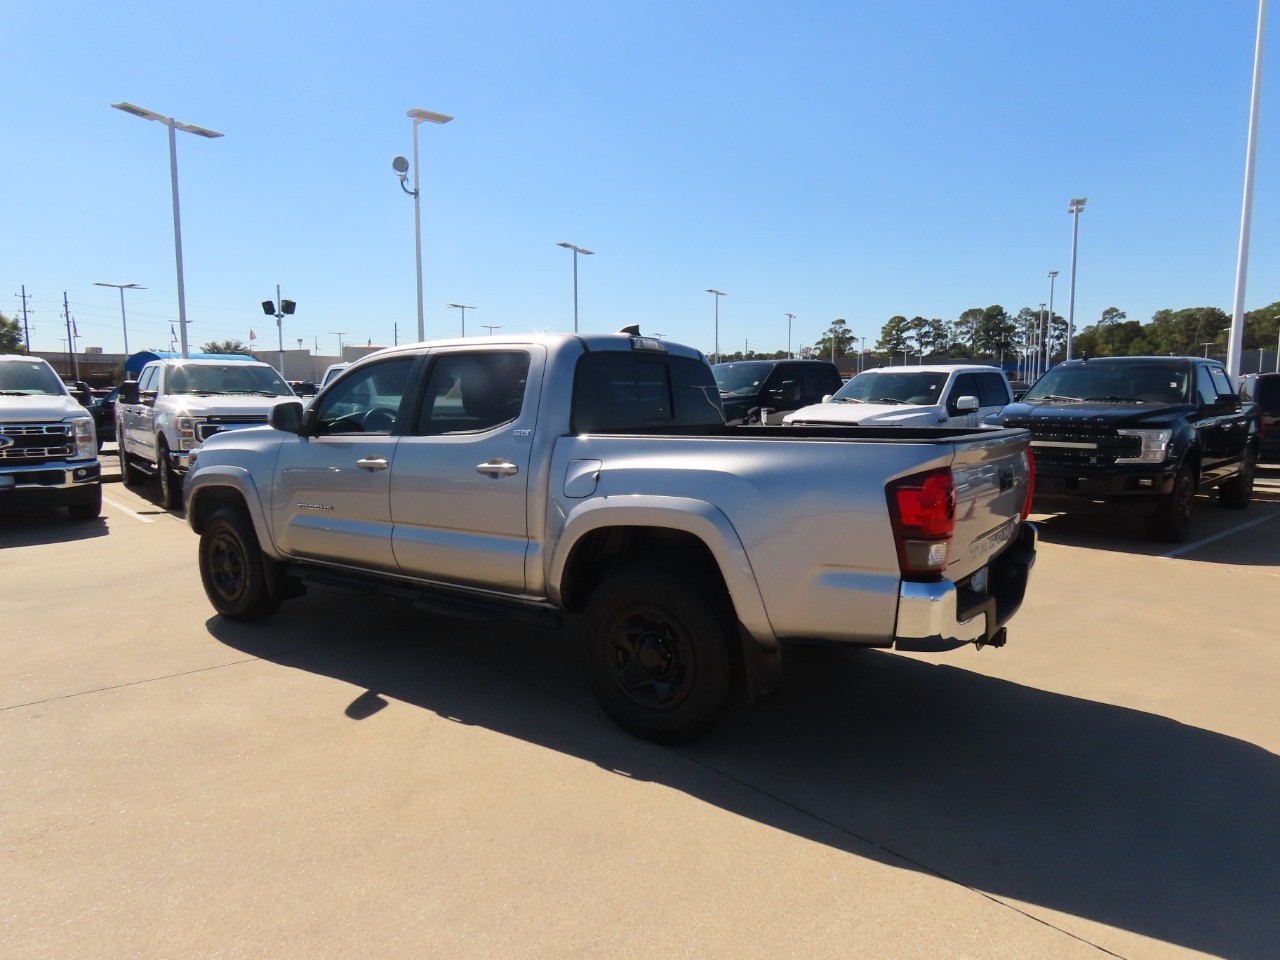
point(1054, 397)
point(905, 403)
point(1115, 399)
point(846, 400)
point(13, 393)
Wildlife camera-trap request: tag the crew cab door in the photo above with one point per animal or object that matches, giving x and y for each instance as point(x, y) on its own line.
point(459, 489)
point(964, 385)
point(1222, 427)
point(137, 420)
point(330, 499)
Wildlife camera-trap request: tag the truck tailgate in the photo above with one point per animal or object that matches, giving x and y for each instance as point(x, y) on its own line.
point(991, 477)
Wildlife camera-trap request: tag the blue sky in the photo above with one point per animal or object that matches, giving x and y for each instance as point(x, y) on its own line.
point(849, 159)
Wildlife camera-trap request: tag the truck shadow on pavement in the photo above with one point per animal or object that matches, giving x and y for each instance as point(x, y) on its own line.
point(1082, 812)
point(23, 528)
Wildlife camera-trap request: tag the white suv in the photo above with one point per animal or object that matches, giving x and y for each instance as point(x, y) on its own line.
point(175, 405)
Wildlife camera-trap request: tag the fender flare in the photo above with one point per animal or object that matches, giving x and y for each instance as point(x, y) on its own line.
point(240, 480)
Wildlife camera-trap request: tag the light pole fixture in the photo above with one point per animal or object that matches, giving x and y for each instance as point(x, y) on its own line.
point(576, 251)
point(285, 308)
point(339, 334)
point(790, 317)
point(124, 323)
point(401, 167)
point(1038, 364)
point(1077, 205)
point(173, 125)
point(718, 295)
point(464, 308)
point(1206, 344)
point(491, 327)
point(862, 357)
point(1048, 324)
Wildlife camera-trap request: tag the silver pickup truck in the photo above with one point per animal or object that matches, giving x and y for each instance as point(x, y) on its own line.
point(547, 477)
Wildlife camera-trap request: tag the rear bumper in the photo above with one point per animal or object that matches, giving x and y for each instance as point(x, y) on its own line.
point(934, 617)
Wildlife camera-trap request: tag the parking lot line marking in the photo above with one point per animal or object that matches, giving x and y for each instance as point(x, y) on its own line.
point(1188, 547)
point(137, 516)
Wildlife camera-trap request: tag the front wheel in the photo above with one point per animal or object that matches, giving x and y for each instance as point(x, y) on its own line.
point(170, 481)
point(89, 508)
point(130, 475)
point(1171, 521)
point(231, 567)
point(657, 653)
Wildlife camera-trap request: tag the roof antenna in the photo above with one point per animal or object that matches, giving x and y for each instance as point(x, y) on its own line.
point(631, 328)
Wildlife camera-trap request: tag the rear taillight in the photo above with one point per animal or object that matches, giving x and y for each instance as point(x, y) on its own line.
point(1031, 483)
point(922, 510)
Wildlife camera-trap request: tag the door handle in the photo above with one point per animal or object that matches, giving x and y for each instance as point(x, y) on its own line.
point(372, 463)
point(497, 468)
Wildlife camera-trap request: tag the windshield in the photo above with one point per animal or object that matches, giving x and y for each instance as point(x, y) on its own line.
point(29, 377)
point(1115, 383)
point(880, 386)
point(229, 378)
point(741, 379)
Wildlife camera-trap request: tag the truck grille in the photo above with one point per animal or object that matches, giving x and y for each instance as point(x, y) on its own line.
point(211, 425)
point(36, 442)
point(1061, 446)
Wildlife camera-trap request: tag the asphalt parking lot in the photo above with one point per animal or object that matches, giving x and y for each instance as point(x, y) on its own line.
point(356, 778)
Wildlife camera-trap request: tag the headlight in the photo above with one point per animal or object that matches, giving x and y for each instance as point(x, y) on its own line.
point(86, 440)
point(186, 427)
point(1155, 445)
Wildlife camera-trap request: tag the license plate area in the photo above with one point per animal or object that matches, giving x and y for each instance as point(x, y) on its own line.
point(8, 482)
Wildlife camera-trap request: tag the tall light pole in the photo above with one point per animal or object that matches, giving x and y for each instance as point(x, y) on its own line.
point(491, 327)
point(464, 308)
point(279, 309)
point(339, 334)
point(862, 357)
point(124, 323)
point(1077, 205)
point(718, 295)
point(173, 125)
point(401, 166)
point(1048, 354)
point(790, 317)
point(1041, 323)
point(576, 251)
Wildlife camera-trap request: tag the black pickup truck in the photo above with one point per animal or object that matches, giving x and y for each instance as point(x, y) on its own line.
point(1143, 432)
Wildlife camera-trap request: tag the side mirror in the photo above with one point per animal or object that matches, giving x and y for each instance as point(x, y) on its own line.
point(1227, 403)
point(826, 397)
point(286, 416)
point(966, 404)
point(128, 392)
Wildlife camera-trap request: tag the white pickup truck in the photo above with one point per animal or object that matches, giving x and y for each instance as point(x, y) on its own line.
point(546, 477)
point(943, 394)
point(175, 405)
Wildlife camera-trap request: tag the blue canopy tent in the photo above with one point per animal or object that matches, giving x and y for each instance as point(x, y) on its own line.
point(134, 363)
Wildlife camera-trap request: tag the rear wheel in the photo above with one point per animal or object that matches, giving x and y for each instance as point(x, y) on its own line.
point(657, 653)
point(1236, 493)
point(1171, 521)
point(170, 482)
point(231, 567)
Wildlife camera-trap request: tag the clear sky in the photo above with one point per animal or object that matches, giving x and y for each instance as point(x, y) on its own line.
point(841, 159)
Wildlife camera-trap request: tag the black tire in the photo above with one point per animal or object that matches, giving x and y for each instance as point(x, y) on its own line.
point(1236, 493)
point(231, 567)
point(89, 508)
point(658, 653)
point(1171, 521)
point(170, 482)
point(130, 475)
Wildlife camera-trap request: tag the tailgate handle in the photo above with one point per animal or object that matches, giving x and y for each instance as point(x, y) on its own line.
point(1007, 481)
point(497, 468)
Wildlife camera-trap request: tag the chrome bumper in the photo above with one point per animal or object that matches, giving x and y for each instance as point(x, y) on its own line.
point(49, 476)
point(934, 617)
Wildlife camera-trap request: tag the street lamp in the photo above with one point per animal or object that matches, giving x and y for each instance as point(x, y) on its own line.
point(285, 308)
point(401, 166)
point(1077, 205)
point(1048, 324)
point(790, 317)
point(1206, 344)
point(491, 327)
point(173, 125)
point(124, 324)
point(862, 356)
point(464, 308)
point(339, 334)
point(576, 251)
point(718, 295)
point(1038, 366)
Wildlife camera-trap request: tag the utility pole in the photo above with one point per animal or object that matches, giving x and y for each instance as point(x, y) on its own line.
point(26, 331)
point(71, 344)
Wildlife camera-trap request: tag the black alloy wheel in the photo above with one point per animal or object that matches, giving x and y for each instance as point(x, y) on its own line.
point(231, 567)
point(1171, 521)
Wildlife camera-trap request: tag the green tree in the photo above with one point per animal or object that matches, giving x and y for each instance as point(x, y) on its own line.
point(1112, 315)
point(10, 335)
point(226, 346)
point(843, 341)
point(895, 337)
point(966, 329)
point(993, 330)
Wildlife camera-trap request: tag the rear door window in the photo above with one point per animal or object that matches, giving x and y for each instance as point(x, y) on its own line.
point(993, 390)
point(615, 391)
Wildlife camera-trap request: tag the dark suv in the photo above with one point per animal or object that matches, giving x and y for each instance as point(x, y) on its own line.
point(763, 391)
point(1263, 391)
